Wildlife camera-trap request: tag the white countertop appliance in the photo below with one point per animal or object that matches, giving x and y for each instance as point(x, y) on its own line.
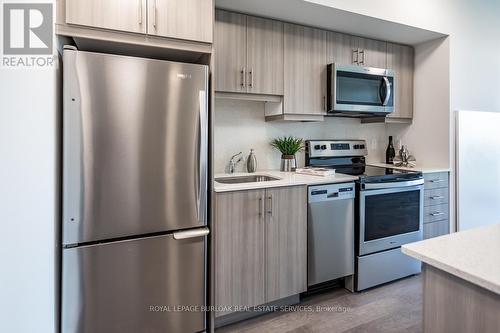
point(388, 213)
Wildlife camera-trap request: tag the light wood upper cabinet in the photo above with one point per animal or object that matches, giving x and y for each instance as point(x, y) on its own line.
point(269, 57)
point(239, 249)
point(340, 48)
point(260, 245)
point(230, 44)
point(400, 59)
point(108, 14)
point(305, 70)
point(180, 19)
point(370, 52)
point(264, 56)
point(248, 54)
point(286, 242)
point(183, 19)
point(347, 49)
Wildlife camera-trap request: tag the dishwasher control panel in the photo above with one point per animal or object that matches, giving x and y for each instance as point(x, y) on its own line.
point(331, 192)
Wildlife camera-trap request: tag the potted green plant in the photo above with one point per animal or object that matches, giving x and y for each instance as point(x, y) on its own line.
point(288, 146)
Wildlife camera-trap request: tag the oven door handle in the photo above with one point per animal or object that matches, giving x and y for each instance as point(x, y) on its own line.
point(379, 186)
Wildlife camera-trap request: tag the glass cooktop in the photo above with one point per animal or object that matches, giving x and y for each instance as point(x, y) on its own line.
point(372, 174)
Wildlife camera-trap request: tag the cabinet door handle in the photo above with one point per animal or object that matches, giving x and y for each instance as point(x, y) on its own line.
point(140, 11)
point(437, 197)
point(250, 74)
point(270, 208)
point(437, 180)
point(437, 214)
point(362, 52)
point(260, 207)
point(155, 14)
point(324, 103)
point(355, 56)
point(243, 77)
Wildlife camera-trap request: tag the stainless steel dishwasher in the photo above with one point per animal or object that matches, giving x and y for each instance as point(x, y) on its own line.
point(330, 233)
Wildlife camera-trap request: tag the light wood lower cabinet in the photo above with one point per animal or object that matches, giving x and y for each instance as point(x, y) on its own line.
point(239, 249)
point(286, 237)
point(435, 229)
point(436, 207)
point(260, 246)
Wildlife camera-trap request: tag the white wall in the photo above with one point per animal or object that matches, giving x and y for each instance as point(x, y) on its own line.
point(27, 201)
point(428, 137)
point(240, 125)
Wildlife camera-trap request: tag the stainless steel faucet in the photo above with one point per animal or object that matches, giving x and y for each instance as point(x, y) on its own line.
point(232, 162)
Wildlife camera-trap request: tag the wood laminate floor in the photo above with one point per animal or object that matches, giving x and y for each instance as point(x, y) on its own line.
point(394, 307)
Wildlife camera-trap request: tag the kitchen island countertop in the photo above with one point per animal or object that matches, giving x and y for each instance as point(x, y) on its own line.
point(471, 255)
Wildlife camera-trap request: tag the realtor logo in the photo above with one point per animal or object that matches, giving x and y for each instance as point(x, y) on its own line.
point(28, 28)
point(28, 35)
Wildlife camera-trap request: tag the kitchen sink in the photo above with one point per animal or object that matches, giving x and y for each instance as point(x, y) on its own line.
point(245, 179)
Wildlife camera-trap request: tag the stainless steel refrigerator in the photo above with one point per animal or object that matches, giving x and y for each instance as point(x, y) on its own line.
point(134, 222)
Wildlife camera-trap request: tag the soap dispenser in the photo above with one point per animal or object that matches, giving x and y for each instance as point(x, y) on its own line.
point(251, 162)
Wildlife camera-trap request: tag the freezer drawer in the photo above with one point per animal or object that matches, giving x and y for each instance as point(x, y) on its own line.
point(134, 286)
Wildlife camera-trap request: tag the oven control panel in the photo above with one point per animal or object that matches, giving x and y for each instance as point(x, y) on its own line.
point(336, 148)
point(329, 192)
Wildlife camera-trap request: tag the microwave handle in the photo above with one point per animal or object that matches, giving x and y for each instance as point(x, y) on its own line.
point(388, 91)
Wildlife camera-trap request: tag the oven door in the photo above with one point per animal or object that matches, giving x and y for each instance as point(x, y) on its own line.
point(361, 89)
point(390, 217)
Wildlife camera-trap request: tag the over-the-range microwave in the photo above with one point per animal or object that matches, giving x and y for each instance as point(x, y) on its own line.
point(356, 91)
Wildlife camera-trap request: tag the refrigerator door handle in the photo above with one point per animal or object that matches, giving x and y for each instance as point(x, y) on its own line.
point(191, 233)
point(203, 153)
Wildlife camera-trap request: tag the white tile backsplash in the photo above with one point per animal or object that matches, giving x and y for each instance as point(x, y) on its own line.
point(240, 125)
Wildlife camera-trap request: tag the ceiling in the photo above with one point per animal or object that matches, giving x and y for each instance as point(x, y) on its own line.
point(329, 18)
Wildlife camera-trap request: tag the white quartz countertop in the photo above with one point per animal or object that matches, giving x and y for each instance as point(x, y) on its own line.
point(422, 168)
point(285, 179)
point(472, 255)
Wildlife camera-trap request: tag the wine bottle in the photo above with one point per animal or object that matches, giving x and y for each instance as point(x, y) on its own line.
point(390, 153)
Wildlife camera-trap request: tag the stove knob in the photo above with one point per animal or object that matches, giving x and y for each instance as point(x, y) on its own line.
point(361, 146)
point(317, 146)
point(356, 146)
point(323, 147)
